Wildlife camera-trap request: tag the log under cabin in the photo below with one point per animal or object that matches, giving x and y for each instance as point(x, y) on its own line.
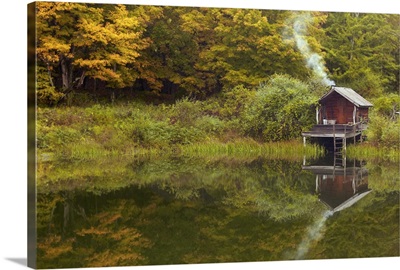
point(342, 114)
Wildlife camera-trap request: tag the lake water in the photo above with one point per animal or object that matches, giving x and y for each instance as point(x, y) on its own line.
point(176, 210)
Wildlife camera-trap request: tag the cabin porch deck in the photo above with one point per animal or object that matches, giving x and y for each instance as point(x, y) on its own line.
point(337, 134)
point(335, 131)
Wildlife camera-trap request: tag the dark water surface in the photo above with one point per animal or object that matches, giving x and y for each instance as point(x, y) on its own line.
point(193, 210)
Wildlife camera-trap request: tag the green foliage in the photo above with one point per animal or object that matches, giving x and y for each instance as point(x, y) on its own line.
point(387, 105)
point(383, 137)
point(135, 128)
point(185, 112)
point(362, 51)
point(210, 124)
point(170, 59)
point(280, 110)
point(60, 137)
point(245, 47)
point(383, 131)
point(122, 128)
point(234, 101)
point(391, 135)
point(368, 83)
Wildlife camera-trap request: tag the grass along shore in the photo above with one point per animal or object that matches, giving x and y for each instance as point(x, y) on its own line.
point(190, 128)
point(372, 153)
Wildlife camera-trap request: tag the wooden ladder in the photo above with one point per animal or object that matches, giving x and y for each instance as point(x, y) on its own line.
point(338, 144)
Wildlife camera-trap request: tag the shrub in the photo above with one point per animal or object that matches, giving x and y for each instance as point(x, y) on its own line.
point(185, 135)
point(391, 134)
point(383, 131)
point(280, 110)
point(60, 137)
point(387, 105)
point(185, 112)
point(234, 101)
point(61, 116)
point(375, 128)
point(100, 114)
point(210, 124)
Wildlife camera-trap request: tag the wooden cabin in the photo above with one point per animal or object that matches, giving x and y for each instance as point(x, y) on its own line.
point(342, 114)
point(342, 105)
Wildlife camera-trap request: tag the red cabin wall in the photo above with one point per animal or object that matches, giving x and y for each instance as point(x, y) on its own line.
point(338, 108)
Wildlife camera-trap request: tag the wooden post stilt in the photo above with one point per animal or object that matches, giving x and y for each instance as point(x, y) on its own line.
point(334, 140)
point(344, 144)
point(344, 139)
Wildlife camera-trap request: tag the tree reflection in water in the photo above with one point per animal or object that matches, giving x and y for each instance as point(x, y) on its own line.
point(192, 210)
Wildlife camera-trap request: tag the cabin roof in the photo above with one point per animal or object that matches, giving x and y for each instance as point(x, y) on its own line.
point(348, 94)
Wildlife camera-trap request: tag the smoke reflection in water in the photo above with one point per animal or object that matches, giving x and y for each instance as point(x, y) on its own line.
point(314, 233)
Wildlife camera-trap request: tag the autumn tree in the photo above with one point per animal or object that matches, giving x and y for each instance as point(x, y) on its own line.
point(77, 40)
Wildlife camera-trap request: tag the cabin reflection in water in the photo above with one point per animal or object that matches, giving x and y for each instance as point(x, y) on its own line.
point(340, 186)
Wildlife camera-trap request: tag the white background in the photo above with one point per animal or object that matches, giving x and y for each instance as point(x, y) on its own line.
point(13, 89)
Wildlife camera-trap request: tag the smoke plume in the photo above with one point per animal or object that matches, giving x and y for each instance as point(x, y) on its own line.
point(313, 60)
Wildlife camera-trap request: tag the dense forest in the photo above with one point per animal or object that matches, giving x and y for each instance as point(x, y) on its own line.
point(208, 71)
point(200, 51)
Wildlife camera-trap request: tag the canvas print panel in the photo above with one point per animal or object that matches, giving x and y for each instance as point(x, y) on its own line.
point(182, 135)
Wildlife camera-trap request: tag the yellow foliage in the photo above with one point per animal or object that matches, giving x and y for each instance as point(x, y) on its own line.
point(54, 246)
point(101, 42)
point(112, 258)
point(91, 63)
point(93, 231)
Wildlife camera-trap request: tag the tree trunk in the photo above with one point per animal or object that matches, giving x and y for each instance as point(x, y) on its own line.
point(49, 73)
point(352, 48)
point(81, 80)
point(66, 74)
point(67, 208)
